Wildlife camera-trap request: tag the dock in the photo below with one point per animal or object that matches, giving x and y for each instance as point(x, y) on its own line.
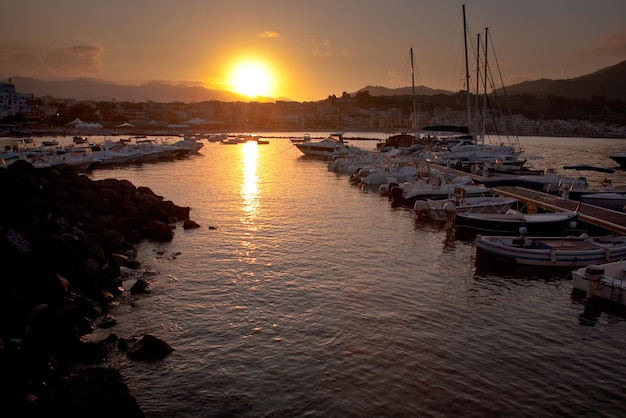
point(594, 215)
point(534, 200)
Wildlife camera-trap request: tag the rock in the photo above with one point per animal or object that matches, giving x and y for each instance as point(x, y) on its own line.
point(149, 348)
point(189, 224)
point(140, 286)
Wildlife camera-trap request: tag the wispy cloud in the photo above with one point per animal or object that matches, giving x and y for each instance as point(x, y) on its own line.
point(269, 34)
point(321, 48)
point(612, 44)
point(79, 60)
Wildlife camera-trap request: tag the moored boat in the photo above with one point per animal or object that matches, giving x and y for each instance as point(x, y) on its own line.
point(511, 222)
point(569, 251)
point(605, 281)
point(332, 144)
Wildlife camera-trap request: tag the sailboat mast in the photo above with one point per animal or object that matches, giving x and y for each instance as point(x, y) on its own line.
point(414, 121)
point(467, 74)
point(485, 84)
point(476, 103)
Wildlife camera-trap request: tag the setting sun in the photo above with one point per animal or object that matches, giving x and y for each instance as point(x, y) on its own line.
point(252, 79)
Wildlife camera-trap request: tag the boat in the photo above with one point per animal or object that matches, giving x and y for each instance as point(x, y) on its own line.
point(434, 185)
point(564, 251)
point(605, 281)
point(512, 222)
point(459, 202)
point(305, 138)
point(608, 200)
point(50, 143)
point(619, 158)
point(327, 147)
point(77, 139)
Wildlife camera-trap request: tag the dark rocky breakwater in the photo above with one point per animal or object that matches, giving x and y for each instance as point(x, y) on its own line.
point(65, 241)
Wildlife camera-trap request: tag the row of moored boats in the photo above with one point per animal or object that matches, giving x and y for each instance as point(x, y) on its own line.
point(415, 174)
point(84, 155)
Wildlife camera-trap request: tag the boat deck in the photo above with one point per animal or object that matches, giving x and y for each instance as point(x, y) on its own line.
point(594, 215)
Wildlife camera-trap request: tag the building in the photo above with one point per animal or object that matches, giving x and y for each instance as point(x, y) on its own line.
point(11, 102)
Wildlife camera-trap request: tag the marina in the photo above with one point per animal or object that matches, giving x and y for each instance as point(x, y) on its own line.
point(298, 275)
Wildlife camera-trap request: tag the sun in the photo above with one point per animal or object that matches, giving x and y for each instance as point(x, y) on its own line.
point(252, 79)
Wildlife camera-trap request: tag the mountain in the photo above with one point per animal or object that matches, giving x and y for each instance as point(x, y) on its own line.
point(91, 89)
point(609, 82)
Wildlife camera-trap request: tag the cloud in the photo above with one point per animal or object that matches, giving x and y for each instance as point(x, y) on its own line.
point(321, 48)
point(612, 44)
point(269, 34)
point(79, 60)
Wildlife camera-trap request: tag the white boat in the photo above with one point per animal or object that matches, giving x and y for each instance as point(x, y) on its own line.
point(327, 147)
point(570, 251)
point(459, 202)
point(305, 138)
point(608, 200)
point(605, 281)
point(511, 222)
point(435, 185)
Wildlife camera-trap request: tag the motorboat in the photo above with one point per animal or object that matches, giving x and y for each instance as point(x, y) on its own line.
point(605, 281)
point(435, 185)
point(459, 202)
point(607, 200)
point(567, 251)
point(512, 222)
point(331, 145)
point(305, 138)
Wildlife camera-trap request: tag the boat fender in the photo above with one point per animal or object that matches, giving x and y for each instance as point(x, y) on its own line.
point(420, 206)
point(449, 207)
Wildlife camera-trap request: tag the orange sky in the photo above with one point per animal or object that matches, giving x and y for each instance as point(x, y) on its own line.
point(308, 50)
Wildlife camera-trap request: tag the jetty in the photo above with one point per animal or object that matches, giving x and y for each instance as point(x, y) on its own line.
point(594, 215)
point(535, 200)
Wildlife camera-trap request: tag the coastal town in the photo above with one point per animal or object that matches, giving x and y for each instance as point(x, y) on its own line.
point(23, 114)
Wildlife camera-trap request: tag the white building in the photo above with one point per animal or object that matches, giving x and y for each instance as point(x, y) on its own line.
point(11, 102)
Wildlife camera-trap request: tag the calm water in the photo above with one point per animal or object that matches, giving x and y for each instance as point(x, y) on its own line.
point(314, 298)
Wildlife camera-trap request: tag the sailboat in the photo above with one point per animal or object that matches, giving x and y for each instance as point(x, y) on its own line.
point(457, 146)
point(404, 141)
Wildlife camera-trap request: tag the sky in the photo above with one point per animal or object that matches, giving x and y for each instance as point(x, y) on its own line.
point(306, 50)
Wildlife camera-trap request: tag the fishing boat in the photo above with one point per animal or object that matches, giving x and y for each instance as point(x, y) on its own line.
point(459, 202)
point(568, 251)
point(511, 222)
point(605, 281)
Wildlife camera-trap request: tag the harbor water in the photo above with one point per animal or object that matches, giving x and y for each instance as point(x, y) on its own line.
point(303, 296)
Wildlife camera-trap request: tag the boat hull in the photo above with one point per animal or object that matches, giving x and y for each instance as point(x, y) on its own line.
point(604, 281)
point(549, 251)
point(539, 224)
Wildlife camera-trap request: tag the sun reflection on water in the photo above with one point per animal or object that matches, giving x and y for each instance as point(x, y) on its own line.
point(249, 186)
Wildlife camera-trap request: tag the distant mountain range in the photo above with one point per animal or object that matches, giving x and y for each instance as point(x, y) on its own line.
point(609, 82)
point(92, 89)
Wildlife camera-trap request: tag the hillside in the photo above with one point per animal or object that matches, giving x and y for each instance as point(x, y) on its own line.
point(609, 82)
point(91, 89)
